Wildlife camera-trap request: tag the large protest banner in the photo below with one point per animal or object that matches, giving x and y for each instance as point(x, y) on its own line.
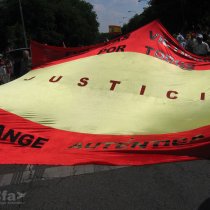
point(152, 39)
point(119, 104)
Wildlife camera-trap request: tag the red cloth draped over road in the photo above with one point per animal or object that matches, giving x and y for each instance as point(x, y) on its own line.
point(51, 146)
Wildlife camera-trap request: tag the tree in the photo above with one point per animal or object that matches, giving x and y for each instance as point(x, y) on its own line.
point(48, 21)
point(176, 15)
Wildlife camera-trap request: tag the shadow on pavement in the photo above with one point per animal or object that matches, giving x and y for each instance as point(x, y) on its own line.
point(205, 205)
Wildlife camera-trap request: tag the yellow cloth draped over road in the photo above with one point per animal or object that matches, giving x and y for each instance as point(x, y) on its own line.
point(117, 93)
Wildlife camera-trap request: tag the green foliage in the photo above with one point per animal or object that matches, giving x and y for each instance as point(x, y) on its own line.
point(48, 21)
point(176, 15)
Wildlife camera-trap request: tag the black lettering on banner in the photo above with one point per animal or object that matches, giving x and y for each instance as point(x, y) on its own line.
point(165, 143)
point(25, 140)
point(1, 130)
point(29, 78)
point(11, 135)
point(168, 58)
point(198, 137)
point(121, 145)
point(177, 142)
point(108, 144)
point(39, 142)
point(164, 42)
point(91, 146)
point(53, 79)
point(152, 144)
point(142, 145)
point(160, 54)
point(202, 96)
point(148, 49)
point(151, 36)
point(102, 51)
point(143, 88)
point(76, 146)
point(120, 48)
point(18, 138)
point(111, 49)
point(170, 96)
point(83, 82)
point(114, 83)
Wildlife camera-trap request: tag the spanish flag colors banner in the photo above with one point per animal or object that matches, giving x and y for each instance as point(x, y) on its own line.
point(111, 105)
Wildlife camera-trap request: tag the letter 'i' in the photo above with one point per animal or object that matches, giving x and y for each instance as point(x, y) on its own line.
point(142, 90)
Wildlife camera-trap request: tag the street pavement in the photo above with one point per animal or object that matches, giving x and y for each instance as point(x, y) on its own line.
point(171, 186)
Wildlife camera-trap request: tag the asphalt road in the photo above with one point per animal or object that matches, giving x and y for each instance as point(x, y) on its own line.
point(175, 186)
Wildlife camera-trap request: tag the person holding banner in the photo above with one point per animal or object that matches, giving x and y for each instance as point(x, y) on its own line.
point(180, 38)
point(200, 47)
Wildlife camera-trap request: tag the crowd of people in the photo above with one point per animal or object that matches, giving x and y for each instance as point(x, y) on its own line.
point(12, 67)
point(196, 43)
point(6, 69)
